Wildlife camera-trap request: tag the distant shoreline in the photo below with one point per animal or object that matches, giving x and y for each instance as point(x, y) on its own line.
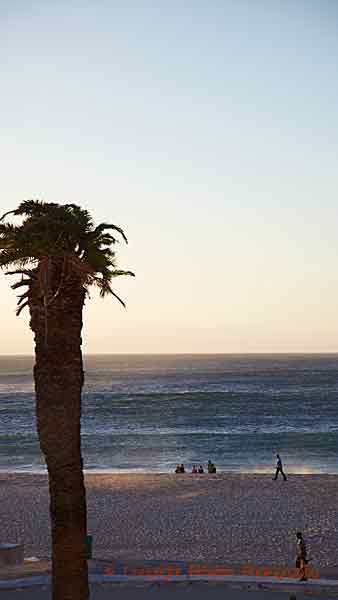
point(125, 472)
point(196, 354)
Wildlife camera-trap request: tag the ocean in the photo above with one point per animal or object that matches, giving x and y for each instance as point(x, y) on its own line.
point(146, 413)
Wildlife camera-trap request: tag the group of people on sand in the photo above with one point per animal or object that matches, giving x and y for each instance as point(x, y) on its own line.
point(212, 469)
point(197, 470)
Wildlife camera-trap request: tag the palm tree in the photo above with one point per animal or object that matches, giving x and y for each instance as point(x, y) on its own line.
point(59, 254)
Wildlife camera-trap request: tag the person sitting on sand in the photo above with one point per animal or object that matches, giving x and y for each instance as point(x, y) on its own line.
point(194, 469)
point(301, 560)
point(211, 467)
point(200, 469)
point(178, 469)
point(279, 468)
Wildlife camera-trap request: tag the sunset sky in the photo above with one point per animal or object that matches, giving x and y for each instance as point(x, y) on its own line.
point(209, 132)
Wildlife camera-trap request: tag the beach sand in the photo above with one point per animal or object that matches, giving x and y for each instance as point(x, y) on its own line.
point(225, 518)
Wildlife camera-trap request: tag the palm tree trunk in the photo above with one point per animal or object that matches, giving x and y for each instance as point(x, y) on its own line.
point(58, 376)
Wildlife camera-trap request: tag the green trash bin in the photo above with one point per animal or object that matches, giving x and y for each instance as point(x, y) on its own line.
point(89, 546)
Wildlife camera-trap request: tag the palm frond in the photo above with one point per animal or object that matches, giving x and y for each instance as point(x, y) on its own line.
point(15, 256)
point(20, 308)
point(66, 234)
point(20, 283)
point(104, 226)
point(28, 272)
point(10, 212)
point(106, 289)
point(117, 273)
point(22, 297)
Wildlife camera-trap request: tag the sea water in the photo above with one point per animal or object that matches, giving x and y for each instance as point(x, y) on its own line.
point(146, 413)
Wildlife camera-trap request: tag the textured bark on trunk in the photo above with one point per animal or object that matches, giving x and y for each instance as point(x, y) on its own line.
point(58, 376)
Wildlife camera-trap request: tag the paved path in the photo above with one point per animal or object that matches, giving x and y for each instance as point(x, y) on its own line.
point(139, 580)
point(195, 591)
point(329, 587)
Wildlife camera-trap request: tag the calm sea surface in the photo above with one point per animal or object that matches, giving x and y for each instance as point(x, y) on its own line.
point(147, 413)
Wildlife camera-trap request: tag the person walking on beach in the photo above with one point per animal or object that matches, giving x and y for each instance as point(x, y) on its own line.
point(301, 560)
point(279, 468)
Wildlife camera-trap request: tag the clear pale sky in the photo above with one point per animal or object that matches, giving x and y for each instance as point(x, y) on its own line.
point(208, 130)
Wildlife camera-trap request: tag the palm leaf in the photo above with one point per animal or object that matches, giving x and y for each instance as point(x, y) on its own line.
point(66, 233)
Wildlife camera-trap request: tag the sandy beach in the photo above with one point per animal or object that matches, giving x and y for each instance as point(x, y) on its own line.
point(228, 518)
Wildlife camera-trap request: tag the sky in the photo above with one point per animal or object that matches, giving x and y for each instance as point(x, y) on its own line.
point(209, 132)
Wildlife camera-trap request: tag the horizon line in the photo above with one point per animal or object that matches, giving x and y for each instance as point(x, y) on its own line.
point(255, 353)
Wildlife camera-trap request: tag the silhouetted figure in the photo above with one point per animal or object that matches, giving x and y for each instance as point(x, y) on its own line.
point(279, 468)
point(211, 467)
point(200, 469)
point(301, 560)
point(180, 468)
